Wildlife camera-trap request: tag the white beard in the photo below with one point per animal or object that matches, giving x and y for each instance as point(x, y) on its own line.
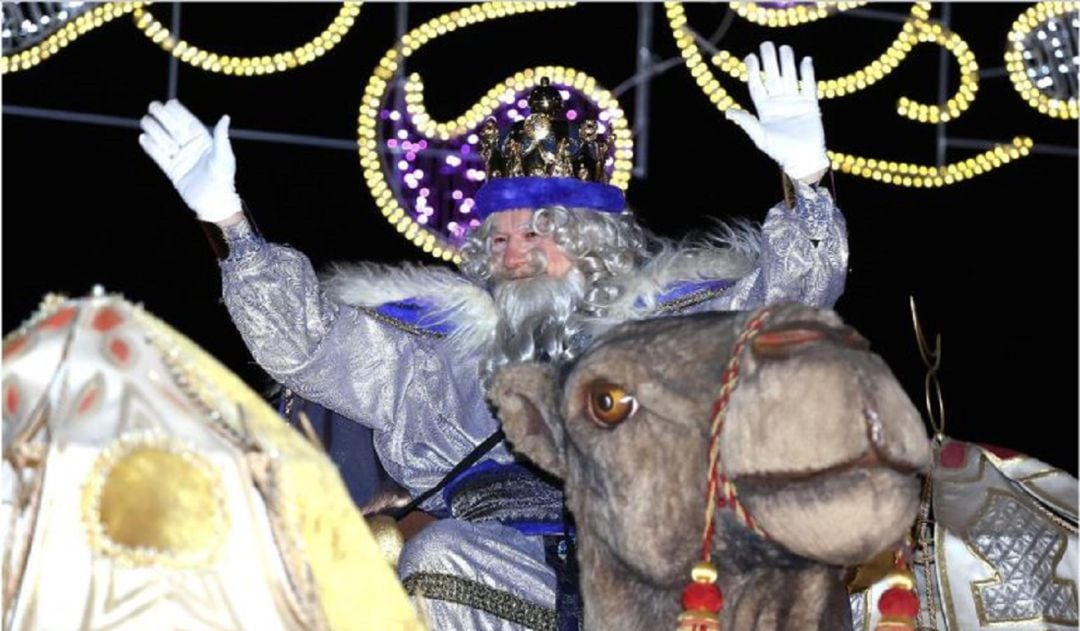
point(538, 318)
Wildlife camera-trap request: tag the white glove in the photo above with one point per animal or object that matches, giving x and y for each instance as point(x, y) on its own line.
point(203, 169)
point(788, 125)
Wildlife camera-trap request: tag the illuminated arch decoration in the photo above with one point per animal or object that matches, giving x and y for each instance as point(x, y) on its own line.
point(923, 176)
point(181, 49)
point(437, 165)
point(917, 29)
point(1042, 20)
point(788, 13)
point(67, 33)
point(248, 66)
point(448, 149)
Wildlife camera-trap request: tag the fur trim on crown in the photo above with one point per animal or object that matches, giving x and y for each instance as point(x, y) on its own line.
point(467, 307)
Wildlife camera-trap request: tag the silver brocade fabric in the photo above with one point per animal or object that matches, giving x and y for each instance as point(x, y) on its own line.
point(804, 257)
point(426, 404)
point(1003, 552)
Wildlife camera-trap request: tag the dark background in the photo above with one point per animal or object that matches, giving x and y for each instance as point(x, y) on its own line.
point(992, 261)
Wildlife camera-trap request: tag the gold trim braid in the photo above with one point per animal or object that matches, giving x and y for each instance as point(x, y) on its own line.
point(482, 597)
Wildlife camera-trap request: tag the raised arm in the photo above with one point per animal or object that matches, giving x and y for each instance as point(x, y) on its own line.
point(344, 358)
point(333, 354)
point(804, 251)
point(271, 291)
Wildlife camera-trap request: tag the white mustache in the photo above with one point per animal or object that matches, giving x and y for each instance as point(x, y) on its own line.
point(535, 265)
point(538, 295)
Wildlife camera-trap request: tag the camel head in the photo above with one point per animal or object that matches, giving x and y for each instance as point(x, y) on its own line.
point(818, 438)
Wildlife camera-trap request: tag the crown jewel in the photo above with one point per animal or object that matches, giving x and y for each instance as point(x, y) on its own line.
point(545, 144)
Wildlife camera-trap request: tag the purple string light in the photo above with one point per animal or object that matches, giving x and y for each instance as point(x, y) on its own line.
point(437, 180)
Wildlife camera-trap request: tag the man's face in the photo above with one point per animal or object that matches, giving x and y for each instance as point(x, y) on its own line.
point(515, 245)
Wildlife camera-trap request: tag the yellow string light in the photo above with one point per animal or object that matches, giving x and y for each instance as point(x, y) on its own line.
point(917, 29)
point(247, 66)
point(918, 175)
point(1014, 59)
point(380, 81)
point(693, 59)
point(69, 32)
point(789, 16)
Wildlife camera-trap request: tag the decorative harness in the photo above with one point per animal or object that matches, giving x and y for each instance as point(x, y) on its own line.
point(702, 599)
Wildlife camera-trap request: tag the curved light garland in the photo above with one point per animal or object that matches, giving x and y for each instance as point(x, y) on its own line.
point(247, 66)
point(1014, 59)
point(789, 16)
point(917, 29)
point(918, 175)
point(379, 84)
point(496, 101)
point(69, 32)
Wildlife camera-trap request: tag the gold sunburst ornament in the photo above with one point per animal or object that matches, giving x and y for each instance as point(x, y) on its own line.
point(152, 500)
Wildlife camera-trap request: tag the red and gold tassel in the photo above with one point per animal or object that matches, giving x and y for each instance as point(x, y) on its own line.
point(702, 600)
point(899, 604)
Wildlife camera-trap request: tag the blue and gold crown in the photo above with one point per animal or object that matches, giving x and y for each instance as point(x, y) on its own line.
point(546, 160)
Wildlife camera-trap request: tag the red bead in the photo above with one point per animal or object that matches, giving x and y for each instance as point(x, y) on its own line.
point(705, 596)
point(899, 602)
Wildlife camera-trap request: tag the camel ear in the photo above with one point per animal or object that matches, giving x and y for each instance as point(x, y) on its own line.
point(527, 403)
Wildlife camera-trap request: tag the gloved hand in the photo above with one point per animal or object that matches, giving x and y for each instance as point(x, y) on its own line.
point(788, 125)
point(201, 167)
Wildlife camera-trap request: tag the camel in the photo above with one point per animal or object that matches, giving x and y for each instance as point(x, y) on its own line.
point(822, 447)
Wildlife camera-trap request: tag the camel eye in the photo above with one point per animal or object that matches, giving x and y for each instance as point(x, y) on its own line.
point(609, 404)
